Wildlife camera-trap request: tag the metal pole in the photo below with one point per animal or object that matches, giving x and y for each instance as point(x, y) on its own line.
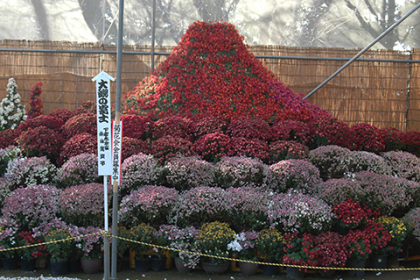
point(106, 238)
point(362, 51)
point(117, 121)
point(152, 57)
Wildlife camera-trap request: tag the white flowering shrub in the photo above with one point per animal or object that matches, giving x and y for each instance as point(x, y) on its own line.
point(7, 155)
point(12, 112)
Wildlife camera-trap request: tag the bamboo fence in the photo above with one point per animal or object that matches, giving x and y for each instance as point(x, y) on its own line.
point(381, 93)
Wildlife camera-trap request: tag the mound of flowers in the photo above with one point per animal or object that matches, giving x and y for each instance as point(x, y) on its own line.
point(212, 73)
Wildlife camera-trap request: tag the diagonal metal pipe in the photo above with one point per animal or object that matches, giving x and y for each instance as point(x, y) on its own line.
point(362, 51)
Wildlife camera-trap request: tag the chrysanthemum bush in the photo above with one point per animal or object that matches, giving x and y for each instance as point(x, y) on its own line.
point(137, 127)
point(293, 211)
point(403, 164)
point(297, 174)
point(133, 146)
point(140, 170)
point(386, 193)
point(244, 245)
point(240, 171)
point(212, 147)
point(254, 148)
point(336, 190)
point(4, 192)
point(78, 170)
point(249, 128)
point(149, 204)
point(184, 173)
point(391, 138)
point(174, 126)
point(366, 137)
point(49, 122)
point(6, 155)
point(168, 147)
point(40, 141)
point(282, 150)
point(332, 161)
point(82, 205)
point(23, 171)
point(12, 112)
point(63, 114)
point(7, 138)
point(367, 161)
point(82, 123)
point(249, 207)
point(200, 205)
point(290, 130)
point(351, 214)
point(78, 144)
point(32, 205)
point(184, 239)
point(209, 124)
point(35, 102)
point(324, 131)
point(91, 245)
point(8, 237)
point(410, 141)
point(413, 216)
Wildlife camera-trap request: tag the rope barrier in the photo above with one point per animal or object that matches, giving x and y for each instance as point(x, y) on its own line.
point(105, 233)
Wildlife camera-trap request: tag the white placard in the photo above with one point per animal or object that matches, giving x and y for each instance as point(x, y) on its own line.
point(116, 152)
point(103, 121)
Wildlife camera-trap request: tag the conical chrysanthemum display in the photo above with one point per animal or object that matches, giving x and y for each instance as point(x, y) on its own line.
point(212, 73)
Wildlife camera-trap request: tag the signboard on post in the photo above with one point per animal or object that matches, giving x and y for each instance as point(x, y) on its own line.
point(103, 120)
point(116, 152)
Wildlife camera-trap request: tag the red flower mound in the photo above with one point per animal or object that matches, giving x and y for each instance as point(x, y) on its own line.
point(212, 73)
point(290, 130)
point(7, 138)
point(80, 124)
point(249, 128)
point(174, 126)
point(391, 138)
point(282, 150)
point(63, 114)
point(133, 146)
point(411, 141)
point(367, 137)
point(210, 124)
point(327, 130)
point(168, 147)
point(212, 147)
point(40, 141)
point(135, 126)
point(78, 144)
point(253, 148)
point(42, 120)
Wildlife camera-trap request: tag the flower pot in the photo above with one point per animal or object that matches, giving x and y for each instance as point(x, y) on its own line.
point(9, 263)
point(247, 268)
point(180, 266)
point(74, 265)
point(158, 264)
point(355, 263)
point(379, 261)
point(58, 268)
point(212, 268)
point(91, 265)
point(27, 264)
point(295, 273)
point(326, 274)
point(270, 270)
point(142, 265)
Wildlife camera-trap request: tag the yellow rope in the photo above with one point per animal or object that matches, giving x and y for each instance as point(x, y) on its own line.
point(108, 234)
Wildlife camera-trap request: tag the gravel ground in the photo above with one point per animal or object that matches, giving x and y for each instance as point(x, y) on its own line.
point(172, 274)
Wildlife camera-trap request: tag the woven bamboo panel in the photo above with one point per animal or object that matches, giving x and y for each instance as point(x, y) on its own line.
point(380, 93)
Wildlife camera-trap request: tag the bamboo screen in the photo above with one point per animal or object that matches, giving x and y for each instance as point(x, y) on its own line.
point(376, 92)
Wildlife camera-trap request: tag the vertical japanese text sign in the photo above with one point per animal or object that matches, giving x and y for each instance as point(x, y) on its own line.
point(103, 120)
point(116, 152)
